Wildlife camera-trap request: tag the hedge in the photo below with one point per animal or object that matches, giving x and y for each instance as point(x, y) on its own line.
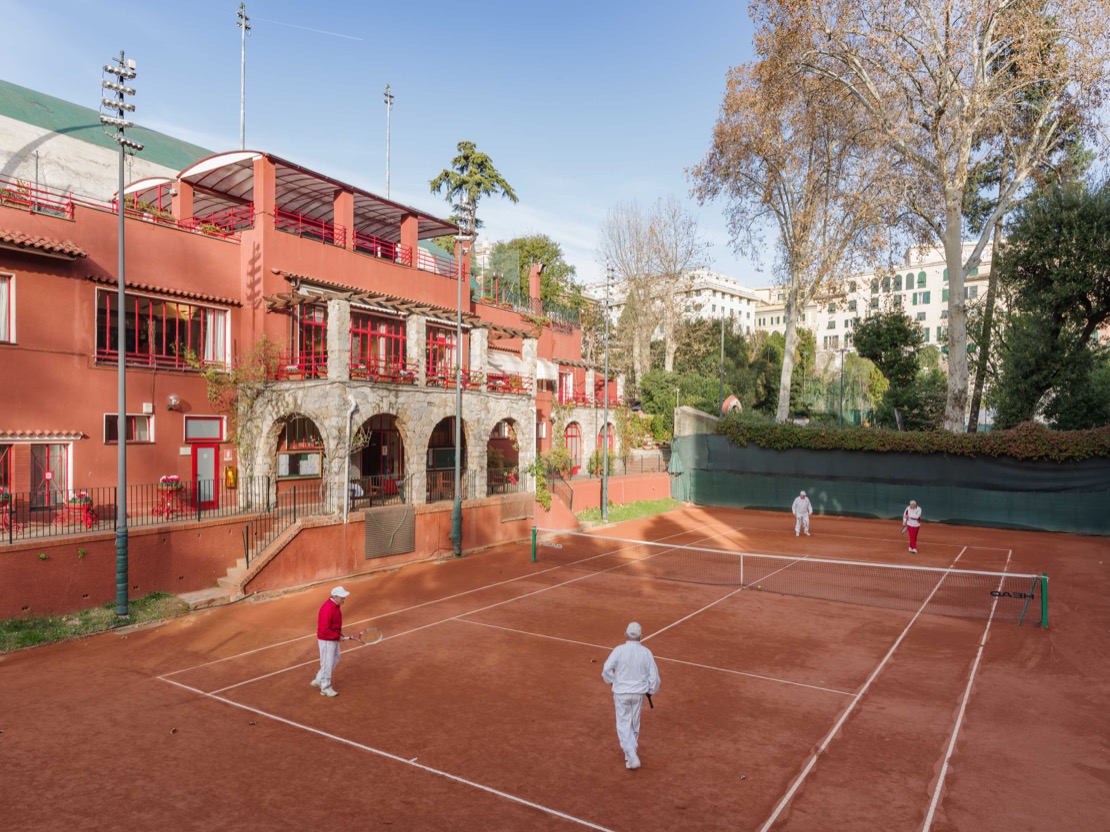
point(1027, 441)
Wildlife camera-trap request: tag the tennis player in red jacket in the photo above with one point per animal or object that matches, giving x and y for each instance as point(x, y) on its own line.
point(329, 632)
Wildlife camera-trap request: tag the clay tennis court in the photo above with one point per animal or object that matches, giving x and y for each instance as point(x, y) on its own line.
point(483, 707)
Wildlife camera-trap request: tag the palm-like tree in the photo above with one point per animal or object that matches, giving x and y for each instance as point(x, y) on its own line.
point(470, 177)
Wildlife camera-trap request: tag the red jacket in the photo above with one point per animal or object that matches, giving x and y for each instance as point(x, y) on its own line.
point(330, 621)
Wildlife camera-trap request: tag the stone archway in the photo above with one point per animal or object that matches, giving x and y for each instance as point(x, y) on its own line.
point(440, 464)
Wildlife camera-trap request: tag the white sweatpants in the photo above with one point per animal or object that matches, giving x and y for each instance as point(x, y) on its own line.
point(329, 658)
point(628, 707)
point(801, 521)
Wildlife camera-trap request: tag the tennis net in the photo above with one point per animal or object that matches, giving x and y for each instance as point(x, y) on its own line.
point(958, 592)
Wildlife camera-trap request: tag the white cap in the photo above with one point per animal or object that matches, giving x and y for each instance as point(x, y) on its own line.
point(633, 631)
point(339, 592)
point(803, 494)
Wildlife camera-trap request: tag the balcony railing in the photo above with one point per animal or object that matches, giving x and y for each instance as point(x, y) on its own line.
point(441, 484)
point(302, 226)
point(160, 362)
point(583, 399)
point(383, 370)
point(29, 515)
point(505, 481)
point(445, 377)
point(300, 367)
point(376, 247)
point(508, 383)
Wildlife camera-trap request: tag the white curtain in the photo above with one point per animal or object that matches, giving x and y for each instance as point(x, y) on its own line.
point(5, 307)
point(215, 336)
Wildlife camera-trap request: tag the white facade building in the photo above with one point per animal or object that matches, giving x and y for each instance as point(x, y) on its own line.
point(919, 286)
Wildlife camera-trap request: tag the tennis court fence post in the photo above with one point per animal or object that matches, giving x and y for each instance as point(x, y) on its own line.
point(1044, 601)
point(533, 544)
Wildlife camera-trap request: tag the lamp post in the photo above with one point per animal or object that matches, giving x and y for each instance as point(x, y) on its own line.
point(463, 238)
point(388, 112)
point(244, 24)
point(113, 112)
point(721, 383)
point(605, 397)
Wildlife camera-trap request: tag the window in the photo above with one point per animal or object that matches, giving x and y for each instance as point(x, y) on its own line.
point(874, 303)
point(311, 337)
point(204, 429)
point(851, 306)
point(944, 295)
point(944, 314)
point(848, 339)
point(921, 280)
point(49, 475)
point(303, 464)
point(140, 429)
point(874, 286)
point(834, 341)
point(921, 297)
point(377, 342)
point(6, 467)
point(898, 282)
point(851, 286)
point(160, 333)
point(946, 275)
point(7, 324)
point(832, 323)
point(925, 297)
point(898, 299)
point(440, 355)
point(942, 334)
point(832, 306)
point(301, 433)
point(886, 284)
point(971, 292)
point(920, 316)
point(926, 329)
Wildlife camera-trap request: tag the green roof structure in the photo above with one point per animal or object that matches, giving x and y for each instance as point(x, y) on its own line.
point(66, 119)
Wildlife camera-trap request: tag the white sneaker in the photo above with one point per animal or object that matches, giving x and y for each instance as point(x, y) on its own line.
point(632, 763)
point(315, 683)
point(329, 692)
point(807, 534)
point(795, 534)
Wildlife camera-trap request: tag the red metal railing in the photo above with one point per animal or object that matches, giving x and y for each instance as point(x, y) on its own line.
point(300, 367)
point(16, 193)
point(383, 370)
point(445, 377)
point(425, 261)
point(311, 229)
point(226, 223)
point(508, 383)
point(377, 247)
point(161, 362)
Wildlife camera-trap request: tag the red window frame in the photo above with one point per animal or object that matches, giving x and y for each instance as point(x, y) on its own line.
point(572, 436)
point(159, 332)
point(111, 429)
point(301, 434)
point(6, 467)
point(441, 355)
point(7, 335)
point(601, 436)
point(376, 341)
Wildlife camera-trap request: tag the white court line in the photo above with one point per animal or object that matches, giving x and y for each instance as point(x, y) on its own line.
point(851, 707)
point(406, 609)
point(459, 615)
point(963, 707)
point(662, 658)
point(408, 762)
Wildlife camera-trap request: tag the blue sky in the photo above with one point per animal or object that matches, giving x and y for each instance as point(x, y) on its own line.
point(580, 105)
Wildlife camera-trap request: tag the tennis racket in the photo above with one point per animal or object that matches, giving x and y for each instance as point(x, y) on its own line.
point(371, 635)
point(650, 703)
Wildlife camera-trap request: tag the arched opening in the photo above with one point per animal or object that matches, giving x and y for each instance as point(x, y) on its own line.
point(300, 459)
point(573, 438)
point(377, 474)
point(502, 459)
point(441, 462)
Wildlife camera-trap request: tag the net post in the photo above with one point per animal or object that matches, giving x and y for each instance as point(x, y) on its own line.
point(1044, 601)
point(533, 544)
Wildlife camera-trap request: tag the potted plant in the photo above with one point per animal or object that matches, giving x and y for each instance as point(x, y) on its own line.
point(80, 498)
point(170, 482)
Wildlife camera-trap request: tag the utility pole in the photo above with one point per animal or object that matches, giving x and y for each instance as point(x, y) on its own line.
point(605, 417)
point(388, 112)
point(721, 385)
point(244, 24)
point(114, 115)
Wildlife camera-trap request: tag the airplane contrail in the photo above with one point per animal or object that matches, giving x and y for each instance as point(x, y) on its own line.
point(307, 29)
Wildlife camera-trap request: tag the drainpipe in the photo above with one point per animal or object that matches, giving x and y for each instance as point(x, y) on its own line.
point(347, 465)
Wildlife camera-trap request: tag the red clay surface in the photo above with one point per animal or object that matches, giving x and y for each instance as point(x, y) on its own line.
point(483, 708)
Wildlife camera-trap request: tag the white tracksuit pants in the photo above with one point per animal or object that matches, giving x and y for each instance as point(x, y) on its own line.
point(628, 707)
point(329, 658)
point(801, 521)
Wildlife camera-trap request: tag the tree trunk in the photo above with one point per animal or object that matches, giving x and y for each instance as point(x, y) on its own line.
point(955, 409)
point(782, 413)
point(983, 358)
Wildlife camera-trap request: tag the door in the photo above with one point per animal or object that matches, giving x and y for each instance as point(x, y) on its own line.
point(48, 475)
point(205, 458)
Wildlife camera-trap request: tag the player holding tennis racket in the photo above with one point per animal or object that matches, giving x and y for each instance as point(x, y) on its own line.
point(329, 632)
point(632, 672)
point(371, 635)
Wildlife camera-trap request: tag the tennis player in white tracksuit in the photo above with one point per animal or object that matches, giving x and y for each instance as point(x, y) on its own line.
point(802, 508)
point(631, 670)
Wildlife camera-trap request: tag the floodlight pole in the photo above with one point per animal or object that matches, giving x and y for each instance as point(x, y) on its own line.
point(118, 109)
point(388, 111)
point(464, 238)
point(841, 351)
point(244, 24)
point(605, 417)
point(721, 384)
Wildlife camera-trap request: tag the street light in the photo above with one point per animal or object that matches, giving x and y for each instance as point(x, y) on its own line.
point(244, 24)
point(842, 350)
point(113, 115)
point(464, 238)
point(388, 112)
point(605, 417)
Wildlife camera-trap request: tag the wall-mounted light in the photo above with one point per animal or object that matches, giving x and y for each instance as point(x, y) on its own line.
point(173, 401)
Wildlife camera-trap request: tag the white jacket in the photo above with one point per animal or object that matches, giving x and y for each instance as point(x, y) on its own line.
point(802, 506)
point(631, 668)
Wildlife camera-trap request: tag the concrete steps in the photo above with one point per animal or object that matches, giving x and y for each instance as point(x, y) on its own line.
point(227, 589)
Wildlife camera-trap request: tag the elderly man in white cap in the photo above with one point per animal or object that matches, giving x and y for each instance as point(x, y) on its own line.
point(631, 670)
point(802, 508)
point(329, 632)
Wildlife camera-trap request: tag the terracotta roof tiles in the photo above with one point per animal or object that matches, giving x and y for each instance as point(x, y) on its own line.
point(19, 240)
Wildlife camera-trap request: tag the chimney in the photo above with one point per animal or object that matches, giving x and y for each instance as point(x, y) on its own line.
point(534, 287)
